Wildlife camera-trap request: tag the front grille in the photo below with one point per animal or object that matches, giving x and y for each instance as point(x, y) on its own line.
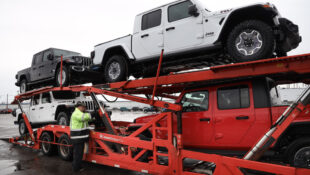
point(89, 105)
point(86, 61)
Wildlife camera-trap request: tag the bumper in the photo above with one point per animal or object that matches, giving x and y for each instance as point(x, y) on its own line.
point(289, 37)
point(82, 74)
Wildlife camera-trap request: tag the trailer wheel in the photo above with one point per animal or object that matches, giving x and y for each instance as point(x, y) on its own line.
point(47, 148)
point(115, 69)
point(22, 128)
point(65, 76)
point(251, 40)
point(298, 153)
point(65, 152)
point(62, 119)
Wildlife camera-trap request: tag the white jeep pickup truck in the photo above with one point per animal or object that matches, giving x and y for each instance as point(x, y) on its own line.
point(192, 36)
point(51, 107)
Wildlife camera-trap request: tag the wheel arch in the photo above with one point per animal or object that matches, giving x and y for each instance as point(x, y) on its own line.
point(293, 132)
point(62, 108)
point(255, 12)
point(115, 50)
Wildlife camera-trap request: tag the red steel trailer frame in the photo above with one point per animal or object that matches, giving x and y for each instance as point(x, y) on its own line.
point(102, 145)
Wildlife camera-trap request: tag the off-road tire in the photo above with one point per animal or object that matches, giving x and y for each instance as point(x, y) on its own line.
point(120, 64)
point(267, 37)
point(61, 117)
point(65, 77)
point(22, 128)
point(47, 148)
point(65, 152)
point(23, 86)
point(294, 147)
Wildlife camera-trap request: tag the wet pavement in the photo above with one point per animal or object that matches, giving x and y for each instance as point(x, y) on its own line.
point(17, 160)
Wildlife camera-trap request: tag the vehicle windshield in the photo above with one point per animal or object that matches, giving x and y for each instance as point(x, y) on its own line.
point(65, 95)
point(275, 97)
point(195, 101)
point(58, 53)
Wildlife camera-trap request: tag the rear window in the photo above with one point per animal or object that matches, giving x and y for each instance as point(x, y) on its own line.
point(65, 94)
point(234, 97)
point(151, 20)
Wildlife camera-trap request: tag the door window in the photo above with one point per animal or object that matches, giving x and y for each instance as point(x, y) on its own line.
point(37, 59)
point(151, 20)
point(179, 11)
point(46, 53)
point(36, 99)
point(233, 97)
point(46, 98)
point(195, 101)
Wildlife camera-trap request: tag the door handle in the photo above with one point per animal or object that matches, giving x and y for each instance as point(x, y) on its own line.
point(170, 28)
point(242, 117)
point(204, 119)
point(145, 35)
point(41, 107)
point(41, 66)
point(33, 109)
point(34, 68)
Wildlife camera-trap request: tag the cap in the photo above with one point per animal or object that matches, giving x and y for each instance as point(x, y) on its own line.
point(80, 104)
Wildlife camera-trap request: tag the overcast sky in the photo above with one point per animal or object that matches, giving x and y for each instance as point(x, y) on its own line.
point(29, 26)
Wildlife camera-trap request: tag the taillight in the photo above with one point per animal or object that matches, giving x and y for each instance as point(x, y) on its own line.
point(92, 54)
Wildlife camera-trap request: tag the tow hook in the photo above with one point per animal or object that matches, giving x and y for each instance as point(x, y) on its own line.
point(78, 68)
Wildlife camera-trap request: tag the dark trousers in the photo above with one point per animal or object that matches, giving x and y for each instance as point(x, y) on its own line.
point(78, 151)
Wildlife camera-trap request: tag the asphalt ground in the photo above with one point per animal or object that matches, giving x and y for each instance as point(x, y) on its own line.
point(18, 160)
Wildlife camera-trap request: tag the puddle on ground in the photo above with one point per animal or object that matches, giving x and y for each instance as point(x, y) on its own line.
point(9, 166)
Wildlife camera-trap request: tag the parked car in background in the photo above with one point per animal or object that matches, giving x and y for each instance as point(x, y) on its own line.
point(51, 107)
point(150, 109)
point(124, 109)
point(45, 70)
point(135, 109)
point(6, 111)
point(192, 35)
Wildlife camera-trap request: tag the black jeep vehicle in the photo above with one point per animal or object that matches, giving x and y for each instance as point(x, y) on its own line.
point(45, 70)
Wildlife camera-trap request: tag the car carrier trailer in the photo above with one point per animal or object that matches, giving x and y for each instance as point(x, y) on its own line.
point(111, 145)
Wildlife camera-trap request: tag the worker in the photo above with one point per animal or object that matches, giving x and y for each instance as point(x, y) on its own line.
point(79, 133)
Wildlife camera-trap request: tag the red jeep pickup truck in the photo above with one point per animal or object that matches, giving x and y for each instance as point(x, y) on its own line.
point(230, 117)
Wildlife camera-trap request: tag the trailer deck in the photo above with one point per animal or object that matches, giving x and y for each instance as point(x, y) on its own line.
point(111, 145)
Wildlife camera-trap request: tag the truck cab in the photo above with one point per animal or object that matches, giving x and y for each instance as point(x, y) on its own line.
point(228, 118)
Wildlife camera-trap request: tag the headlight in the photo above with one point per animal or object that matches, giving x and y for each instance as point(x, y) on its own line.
point(78, 59)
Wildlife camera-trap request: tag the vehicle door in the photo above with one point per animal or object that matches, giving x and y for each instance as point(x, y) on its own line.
point(46, 108)
point(34, 70)
point(234, 114)
point(46, 69)
point(149, 40)
point(182, 31)
point(34, 111)
point(197, 119)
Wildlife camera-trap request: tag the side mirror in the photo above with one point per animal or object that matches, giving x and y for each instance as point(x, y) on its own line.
point(50, 57)
point(193, 11)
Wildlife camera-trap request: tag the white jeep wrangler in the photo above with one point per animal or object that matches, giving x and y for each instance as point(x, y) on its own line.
point(54, 107)
point(194, 37)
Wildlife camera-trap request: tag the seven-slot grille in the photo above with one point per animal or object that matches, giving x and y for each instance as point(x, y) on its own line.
point(89, 105)
point(86, 61)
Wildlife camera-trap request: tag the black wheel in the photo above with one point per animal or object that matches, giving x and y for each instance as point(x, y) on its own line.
point(65, 152)
point(23, 86)
point(65, 76)
point(116, 69)
point(298, 153)
point(251, 40)
point(22, 128)
point(63, 119)
point(47, 148)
